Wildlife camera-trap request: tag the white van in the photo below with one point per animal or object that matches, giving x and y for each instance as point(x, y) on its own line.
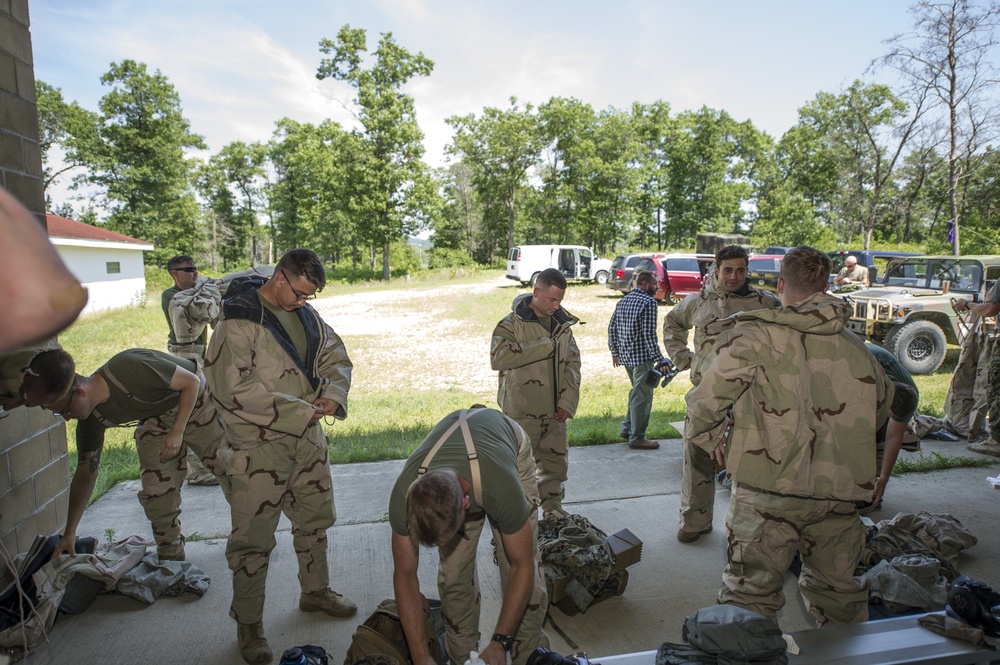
point(575, 262)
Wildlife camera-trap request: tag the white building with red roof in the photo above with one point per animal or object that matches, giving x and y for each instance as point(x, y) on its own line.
point(109, 264)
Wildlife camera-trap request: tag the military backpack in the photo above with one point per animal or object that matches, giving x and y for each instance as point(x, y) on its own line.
point(380, 639)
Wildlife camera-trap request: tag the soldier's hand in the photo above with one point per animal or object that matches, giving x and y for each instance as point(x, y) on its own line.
point(719, 454)
point(171, 446)
point(562, 415)
point(493, 654)
point(961, 304)
point(66, 544)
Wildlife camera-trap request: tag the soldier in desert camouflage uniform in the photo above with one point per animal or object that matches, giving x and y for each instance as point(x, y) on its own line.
point(991, 307)
point(22, 373)
point(726, 292)
point(807, 398)
point(278, 369)
point(187, 328)
point(539, 364)
point(170, 401)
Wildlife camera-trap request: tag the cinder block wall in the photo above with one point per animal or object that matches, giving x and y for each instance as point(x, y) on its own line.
point(34, 466)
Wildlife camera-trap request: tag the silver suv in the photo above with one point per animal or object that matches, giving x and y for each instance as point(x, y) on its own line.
point(911, 313)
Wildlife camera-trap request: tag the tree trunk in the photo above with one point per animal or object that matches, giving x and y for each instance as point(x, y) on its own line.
point(385, 261)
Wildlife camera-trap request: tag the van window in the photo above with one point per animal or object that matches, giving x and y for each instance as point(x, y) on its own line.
point(513, 253)
point(683, 265)
point(632, 260)
point(567, 262)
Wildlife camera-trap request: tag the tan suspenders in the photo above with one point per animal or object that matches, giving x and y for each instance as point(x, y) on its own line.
point(477, 481)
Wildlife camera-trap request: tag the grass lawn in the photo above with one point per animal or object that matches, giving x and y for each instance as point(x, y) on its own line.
point(419, 352)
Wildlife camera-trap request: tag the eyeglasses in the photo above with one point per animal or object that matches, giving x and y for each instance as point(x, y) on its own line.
point(298, 294)
point(64, 410)
point(188, 269)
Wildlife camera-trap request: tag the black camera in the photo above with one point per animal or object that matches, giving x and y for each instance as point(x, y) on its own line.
point(542, 656)
point(663, 373)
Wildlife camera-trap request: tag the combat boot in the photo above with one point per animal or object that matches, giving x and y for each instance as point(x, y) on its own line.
point(329, 601)
point(253, 646)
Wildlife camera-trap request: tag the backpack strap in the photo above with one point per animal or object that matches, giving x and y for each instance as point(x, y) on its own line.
point(106, 371)
point(477, 480)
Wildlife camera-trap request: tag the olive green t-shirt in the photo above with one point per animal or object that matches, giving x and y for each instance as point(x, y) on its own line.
point(895, 371)
point(146, 376)
point(292, 325)
point(495, 442)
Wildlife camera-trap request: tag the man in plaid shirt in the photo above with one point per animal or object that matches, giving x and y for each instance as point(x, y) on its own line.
point(633, 344)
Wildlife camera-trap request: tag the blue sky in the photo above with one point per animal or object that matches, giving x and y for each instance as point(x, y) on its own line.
point(241, 65)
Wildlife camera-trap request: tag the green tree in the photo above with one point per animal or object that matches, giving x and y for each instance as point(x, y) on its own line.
point(63, 124)
point(240, 168)
point(137, 159)
point(391, 181)
point(499, 147)
point(947, 56)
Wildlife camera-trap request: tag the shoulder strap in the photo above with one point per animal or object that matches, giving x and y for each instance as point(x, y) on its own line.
point(106, 370)
point(477, 481)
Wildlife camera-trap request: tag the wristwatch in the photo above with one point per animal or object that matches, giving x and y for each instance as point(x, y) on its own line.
point(506, 641)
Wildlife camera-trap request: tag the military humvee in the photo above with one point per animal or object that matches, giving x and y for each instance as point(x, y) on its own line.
point(911, 313)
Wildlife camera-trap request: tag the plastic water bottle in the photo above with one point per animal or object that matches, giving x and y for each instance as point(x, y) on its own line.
point(474, 659)
point(293, 656)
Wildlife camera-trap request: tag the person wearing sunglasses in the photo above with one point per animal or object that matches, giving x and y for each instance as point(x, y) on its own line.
point(276, 369)
point(189, 306)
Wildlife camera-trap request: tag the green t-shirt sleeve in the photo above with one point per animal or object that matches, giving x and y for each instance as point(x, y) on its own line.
point(89, 436)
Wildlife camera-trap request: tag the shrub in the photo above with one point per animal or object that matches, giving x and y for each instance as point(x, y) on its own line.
point(445, 257)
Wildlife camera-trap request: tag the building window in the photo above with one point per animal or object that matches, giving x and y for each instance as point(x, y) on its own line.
point(114, 267)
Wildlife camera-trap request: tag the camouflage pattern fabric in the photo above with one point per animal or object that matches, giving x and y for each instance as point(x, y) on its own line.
point(458, 582)
point(572, 547)
point(806, 398)
point(191, 311)
point(539, 372)
point(550, 449)
point(765, 532)
point(161, 482)
point(888, 541)
point(292, 476)
point(993, 392)
point(697, 311)
point(966, 404)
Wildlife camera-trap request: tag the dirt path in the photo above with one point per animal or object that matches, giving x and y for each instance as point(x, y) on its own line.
point(402, 334)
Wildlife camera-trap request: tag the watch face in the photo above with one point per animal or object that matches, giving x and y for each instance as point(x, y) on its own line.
point(506, 641)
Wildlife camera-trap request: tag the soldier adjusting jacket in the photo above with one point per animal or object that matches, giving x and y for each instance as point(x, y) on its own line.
point(264, 390)
point(534, 380)
point(697, 311)
point(807, 399)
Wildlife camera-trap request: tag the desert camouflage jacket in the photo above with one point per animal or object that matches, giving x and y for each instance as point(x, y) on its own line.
point(534, 379)
point(190, 312)
point(264, 390)
point(14, 364)
point(807, 400)
point(697, 311)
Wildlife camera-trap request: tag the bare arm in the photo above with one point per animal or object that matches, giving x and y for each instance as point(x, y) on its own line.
point(80, 489)
point(893, 443)
point(405, 558)
point(520, 583)
point(983, 309)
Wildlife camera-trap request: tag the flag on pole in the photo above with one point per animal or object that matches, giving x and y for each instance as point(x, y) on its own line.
point(951, 231)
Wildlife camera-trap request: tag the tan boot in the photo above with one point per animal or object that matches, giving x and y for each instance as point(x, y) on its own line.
point(329, 601)
point(253, 646)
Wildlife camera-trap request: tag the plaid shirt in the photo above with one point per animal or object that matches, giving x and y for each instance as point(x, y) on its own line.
point(632, 331)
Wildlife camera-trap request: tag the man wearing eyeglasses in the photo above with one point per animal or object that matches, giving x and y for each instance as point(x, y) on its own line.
point(188, 331)
point(168, 400)
point(276, 369)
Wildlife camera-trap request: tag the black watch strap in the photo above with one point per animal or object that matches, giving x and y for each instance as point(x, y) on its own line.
point(506, 641)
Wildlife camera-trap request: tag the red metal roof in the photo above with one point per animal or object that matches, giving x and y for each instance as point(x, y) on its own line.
point(60, 227)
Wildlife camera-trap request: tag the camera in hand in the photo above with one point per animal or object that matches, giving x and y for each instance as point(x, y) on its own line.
point(663, 373)
point(542, 656)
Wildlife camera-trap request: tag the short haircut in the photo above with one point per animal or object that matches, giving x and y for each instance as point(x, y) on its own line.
point(433, 505)
point(178, 261)
point(806, 270)
point(300, 262)
point(904, 401)
point(645, 277)
point(55, 371)
point(730, 252)
point(551, 277)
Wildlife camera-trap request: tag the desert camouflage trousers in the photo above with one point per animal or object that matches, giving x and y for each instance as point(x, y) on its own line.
point(766, 530)
point(993, 391)
point(458, 581)
point(550, 448)
point(160, 494)
point(288, 475)
point(196, 352)
point(697, 489)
